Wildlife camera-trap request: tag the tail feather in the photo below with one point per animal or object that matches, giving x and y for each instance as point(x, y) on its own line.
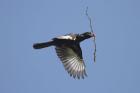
point(42, 45)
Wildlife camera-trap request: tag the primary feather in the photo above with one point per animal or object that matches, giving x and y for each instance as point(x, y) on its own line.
point(72, 62)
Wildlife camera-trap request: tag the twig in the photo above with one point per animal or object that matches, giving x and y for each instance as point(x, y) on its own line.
point(94, 39)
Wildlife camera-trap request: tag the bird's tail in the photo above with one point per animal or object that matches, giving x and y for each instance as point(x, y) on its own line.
point(42, 45)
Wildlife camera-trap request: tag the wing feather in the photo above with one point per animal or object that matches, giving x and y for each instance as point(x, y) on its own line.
point(72, 62)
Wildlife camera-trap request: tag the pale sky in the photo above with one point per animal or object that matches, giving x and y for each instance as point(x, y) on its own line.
point(25, 70)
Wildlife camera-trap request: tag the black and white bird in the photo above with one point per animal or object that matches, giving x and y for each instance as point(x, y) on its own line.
point(69, 51)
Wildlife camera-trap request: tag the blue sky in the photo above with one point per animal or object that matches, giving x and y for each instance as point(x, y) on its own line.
point(25, 70)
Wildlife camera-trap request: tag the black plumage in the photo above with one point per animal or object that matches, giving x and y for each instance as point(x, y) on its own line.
point(69, 51)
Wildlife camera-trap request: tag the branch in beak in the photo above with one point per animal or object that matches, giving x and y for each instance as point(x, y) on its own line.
point(93, 35)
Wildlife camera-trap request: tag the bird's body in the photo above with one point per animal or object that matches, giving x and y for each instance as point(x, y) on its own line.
point(68, 50)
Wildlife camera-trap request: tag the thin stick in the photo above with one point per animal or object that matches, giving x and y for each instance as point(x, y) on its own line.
point(94, 39)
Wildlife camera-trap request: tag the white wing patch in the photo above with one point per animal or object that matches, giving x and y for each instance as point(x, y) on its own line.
point(72, 63)
point(67, 37)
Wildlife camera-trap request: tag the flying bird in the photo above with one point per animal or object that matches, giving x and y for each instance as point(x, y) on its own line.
point(69, 51)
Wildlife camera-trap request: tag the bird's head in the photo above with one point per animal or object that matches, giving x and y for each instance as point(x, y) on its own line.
point(85, 35)
point(88, 34)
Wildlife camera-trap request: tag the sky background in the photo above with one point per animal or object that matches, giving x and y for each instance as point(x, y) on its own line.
point(25, 70)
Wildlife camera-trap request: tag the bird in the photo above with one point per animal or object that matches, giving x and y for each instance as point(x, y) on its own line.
point(69, 52)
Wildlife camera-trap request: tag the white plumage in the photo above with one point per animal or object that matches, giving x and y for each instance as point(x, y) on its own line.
point(67, 37)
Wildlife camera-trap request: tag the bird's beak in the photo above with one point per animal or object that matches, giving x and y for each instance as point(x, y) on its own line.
point(93, 35)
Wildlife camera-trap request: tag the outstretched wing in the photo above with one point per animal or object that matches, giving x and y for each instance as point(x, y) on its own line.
point(72, 60)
